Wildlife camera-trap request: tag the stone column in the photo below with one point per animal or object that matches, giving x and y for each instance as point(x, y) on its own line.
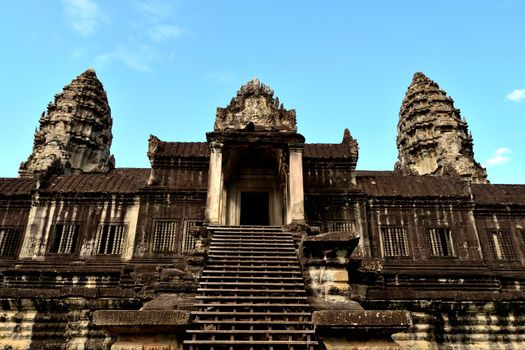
point(214, 184)
point(295, 209)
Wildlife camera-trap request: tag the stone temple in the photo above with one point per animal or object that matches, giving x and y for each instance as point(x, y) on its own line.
point(257, 239)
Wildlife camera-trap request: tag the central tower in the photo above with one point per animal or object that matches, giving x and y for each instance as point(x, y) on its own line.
point(256, 172)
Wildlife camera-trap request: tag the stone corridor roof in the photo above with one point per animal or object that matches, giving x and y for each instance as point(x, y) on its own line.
point(373, 183)
point(121, 180)
point(200, 149)
point(16, 186)
point(183, 149)
point(327, 151)
point(392, 184)
point(499, 194)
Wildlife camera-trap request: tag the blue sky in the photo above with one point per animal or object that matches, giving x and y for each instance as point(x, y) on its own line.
point(167, 65)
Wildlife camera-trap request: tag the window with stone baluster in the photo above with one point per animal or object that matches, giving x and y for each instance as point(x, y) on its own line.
point(394, 241)
point(64, 238)
point(111, 239)
point(164, 236)
point(188, 237)
point(440, 241)
point(501, 245)
point(332, 226)
point(9, 241)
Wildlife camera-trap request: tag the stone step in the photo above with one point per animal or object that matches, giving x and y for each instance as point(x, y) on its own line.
point(252, 250)
point(240, 227)
point(258, 245)
point(261, 259)
point(253, 235)
point(258, 331)
point(237, 290)
point(280, 253)
point(252, 342)
point(234, 232)
point(283, 240)
point(250, 278)
point(258, 267)
point(290, 252)
point(237, 297)
point(252, 272)
point(251, 314)
point(251, 293)
point(245, 228)
point(269, 323)
point(245, 233)
point(251, 284)
point(253, 305)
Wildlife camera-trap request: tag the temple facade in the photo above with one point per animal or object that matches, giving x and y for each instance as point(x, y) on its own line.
point(257, 239)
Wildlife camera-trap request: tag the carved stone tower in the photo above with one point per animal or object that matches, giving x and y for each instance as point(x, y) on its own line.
point(74, 135)
point(432, 138)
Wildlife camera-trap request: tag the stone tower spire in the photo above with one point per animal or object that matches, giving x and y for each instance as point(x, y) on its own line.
point(74, 135)
point(432, 138)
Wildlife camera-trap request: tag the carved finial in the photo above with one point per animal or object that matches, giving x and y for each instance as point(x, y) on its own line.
point(153, 144)
point(90, 70)
point(347, 137)
point(420, 78)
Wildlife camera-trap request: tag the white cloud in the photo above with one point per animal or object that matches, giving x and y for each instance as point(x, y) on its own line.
point(82, 15)
point(223, 77)
point(142, 48)
point(138, 59)
point(501, 156)
point(155, 10)
point(517, 95)
point(164, 32)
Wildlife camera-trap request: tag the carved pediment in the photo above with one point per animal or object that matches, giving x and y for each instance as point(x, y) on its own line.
point(255, 108)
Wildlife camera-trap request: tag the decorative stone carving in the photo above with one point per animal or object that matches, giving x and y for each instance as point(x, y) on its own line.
point(351, 143)
point(87, 248)
point(74, 135)
point(153, 144)
point(432, 138)
point(255, 109)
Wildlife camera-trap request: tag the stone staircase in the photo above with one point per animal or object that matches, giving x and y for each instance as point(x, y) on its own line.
point(251, 293)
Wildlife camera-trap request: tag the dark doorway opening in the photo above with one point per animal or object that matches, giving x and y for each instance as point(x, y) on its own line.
point(255, 208)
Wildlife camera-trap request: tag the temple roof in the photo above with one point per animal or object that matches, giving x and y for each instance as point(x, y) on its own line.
point(182, 149)
point(200, 149)
point(499, 194)
point(393, 184)
point(373, 183)
point(16, 186)
point(121, 180)
point(327, 150)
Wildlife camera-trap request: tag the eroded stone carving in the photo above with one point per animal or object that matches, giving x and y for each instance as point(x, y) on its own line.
point(432, 138)
point(255, 109)
point(74, 135)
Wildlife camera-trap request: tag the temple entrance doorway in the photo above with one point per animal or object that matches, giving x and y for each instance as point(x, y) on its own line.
point(255, 208)
point(253, 186)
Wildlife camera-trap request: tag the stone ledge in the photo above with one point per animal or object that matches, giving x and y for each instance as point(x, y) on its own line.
point(332, 248)
point(336, 236)
point(142, 321)
point(387, 321)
